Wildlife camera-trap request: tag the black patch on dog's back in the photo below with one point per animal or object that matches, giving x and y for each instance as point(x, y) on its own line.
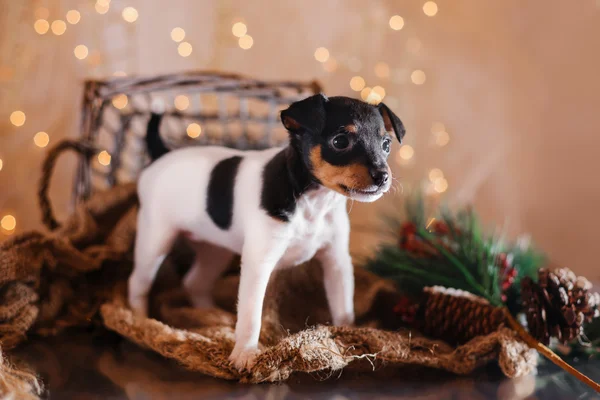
point(219, 201)
point(284, 180)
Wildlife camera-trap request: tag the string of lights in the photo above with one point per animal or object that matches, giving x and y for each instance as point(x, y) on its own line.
point(240, 31)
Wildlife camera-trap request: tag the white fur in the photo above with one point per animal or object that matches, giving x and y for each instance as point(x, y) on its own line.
point(172, 193)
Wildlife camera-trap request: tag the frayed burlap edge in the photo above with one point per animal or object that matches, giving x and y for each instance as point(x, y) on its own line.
point(320, 348)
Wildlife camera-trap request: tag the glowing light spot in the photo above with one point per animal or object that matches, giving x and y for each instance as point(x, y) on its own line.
point(130, 14)
point(41, 26)
point(119, 73)
point(17, 118)
point(1, 164)
point(440, 185)
point(374, 98)
point(418, 77)
point(357, 83)
point(120, 101)
point(81, 51)
point(102, 6)
point(182, 102)
point(430, 8)
point(104, 158)
point(58, 27)
point(365, 93)
point(379, 91)
point(246, 42)
point(406, 152)
point(177, 34)
point(321, 54)
point(396, 22)
point(8, 223)
point(382, 70)
point(41, 139)
point(73, 17)
point(442, 138)
point(435, 174)
point(184, 49)
point(239, 29)
point(194, 130)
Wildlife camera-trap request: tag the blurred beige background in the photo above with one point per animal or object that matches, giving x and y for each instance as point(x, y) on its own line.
point(515, 84)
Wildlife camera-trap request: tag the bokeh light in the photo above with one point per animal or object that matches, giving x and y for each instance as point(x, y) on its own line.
point(177, 34)
point(8, 223)
point(442, 138)
point(130, 14)
point(104, 158)
point(58, 27)
point(1, 164)
point(102, 6)
point(41, 139)
point(120, 101)
point(41, 26)
point(440, 185)
point(357, 83)
point(406, 152)
point(246, 42)
point(365, 93)
point(184, 49)
point(81, 51)
point(194, 130)
point(239, 29)
point(435, 174)
point(182, 102)
point(17, 118)
point(418, 77)
point(73, 17)
point(430, 8)
point(396, 22)
point(321, 54)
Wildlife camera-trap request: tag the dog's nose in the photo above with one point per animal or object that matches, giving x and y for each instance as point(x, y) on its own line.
point(380, 176)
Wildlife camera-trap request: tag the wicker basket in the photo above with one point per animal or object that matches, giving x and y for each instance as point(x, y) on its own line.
point(231, 110)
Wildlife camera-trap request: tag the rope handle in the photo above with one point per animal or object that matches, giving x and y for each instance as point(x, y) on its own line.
point(80, 147)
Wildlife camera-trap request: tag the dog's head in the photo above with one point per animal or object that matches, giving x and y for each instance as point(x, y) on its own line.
point(345, 143)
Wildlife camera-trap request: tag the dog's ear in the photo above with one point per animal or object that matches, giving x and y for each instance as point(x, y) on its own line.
point(391, 121)
point(305, 115)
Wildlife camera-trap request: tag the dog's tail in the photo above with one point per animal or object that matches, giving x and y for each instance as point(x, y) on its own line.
point(154, 143)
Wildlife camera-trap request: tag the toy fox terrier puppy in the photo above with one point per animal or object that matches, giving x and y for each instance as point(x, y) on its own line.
point(277, 208)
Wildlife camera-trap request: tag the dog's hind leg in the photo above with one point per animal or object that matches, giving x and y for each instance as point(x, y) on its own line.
point(152, 244)
point(209, 264)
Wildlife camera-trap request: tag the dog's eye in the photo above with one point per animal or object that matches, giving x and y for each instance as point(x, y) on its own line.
point(386, 145)
point(340, 142)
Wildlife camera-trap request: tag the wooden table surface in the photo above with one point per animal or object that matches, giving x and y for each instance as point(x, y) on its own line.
point(80, 365)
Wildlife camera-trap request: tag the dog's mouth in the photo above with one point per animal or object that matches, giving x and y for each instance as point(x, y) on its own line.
point(371, 191)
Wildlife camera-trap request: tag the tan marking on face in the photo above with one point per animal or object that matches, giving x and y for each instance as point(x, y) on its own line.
point(351, 128)
point(353, 176)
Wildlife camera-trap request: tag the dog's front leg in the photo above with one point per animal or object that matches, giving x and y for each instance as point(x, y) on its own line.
point(338, 275)
point(258, 262)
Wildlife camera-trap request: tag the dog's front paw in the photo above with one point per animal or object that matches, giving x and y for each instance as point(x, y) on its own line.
point(243, 358)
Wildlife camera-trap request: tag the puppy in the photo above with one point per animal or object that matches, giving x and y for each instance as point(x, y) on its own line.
point(277, 208)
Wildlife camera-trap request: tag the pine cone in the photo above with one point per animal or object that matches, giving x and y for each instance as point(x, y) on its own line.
point(558, 304)
point(456, 316)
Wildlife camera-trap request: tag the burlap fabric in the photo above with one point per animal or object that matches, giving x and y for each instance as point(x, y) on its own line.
point(76, 276)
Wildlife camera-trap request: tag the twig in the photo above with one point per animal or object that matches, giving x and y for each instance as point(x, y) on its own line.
point(546, 352)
